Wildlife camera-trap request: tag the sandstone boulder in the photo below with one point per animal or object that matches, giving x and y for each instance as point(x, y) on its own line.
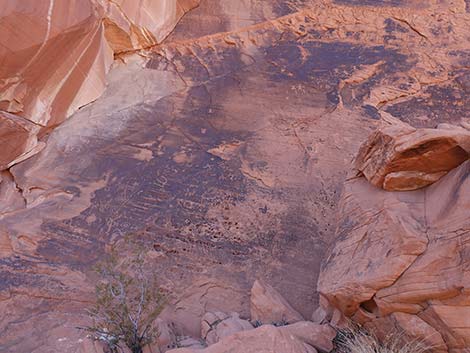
point(217, 325)
point(400, 157)
point(319, 336)
point(403, 256)
point(268, 306)
point(303, 337)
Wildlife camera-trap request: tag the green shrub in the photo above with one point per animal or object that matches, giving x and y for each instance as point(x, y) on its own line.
point(128, 300)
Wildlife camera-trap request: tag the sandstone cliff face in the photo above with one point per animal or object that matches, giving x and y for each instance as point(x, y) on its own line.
point(401, 258)
point(55, 56)
point(225, 149)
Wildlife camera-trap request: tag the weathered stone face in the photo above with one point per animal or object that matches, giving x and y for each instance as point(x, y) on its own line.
point(402, 257)
point(268, 306)
point(398, 157)
point(225, 150)
point(55, 55)
point(17, 138)
point(216, 326)
point(302, 337)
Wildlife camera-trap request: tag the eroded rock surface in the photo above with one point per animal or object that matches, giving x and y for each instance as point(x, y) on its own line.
point(18, 136)
point(55, 55)
point(215, 326)
point(401, 258)
point(303, 337)
point(268, 306)
point(398, 157)
point(225, 151)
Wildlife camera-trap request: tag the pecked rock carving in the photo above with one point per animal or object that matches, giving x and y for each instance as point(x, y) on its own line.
point(225, 149)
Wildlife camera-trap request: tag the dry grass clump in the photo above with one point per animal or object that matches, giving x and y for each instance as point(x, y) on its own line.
point(360, 341)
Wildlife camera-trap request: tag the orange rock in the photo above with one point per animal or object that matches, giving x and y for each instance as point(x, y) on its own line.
point(135, 25)
point(55, 56)
point(400, 157)
point(319, 336)
point(403, 256)
point(380, 234)
point(303, 337)
point(6, 248)
point(421, 331)
point(268, 306)
point(17, 137)
point(296, 94)
point(217, 325)
point(52, 63)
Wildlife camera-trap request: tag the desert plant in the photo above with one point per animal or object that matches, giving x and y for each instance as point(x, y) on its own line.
point(357, 340)
point(128, 300)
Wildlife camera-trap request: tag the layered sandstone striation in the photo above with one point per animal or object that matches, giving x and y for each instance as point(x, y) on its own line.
point(225, 149)
point(401, 258)
point(55, 56)
point(398, 157)
point(18, 137)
